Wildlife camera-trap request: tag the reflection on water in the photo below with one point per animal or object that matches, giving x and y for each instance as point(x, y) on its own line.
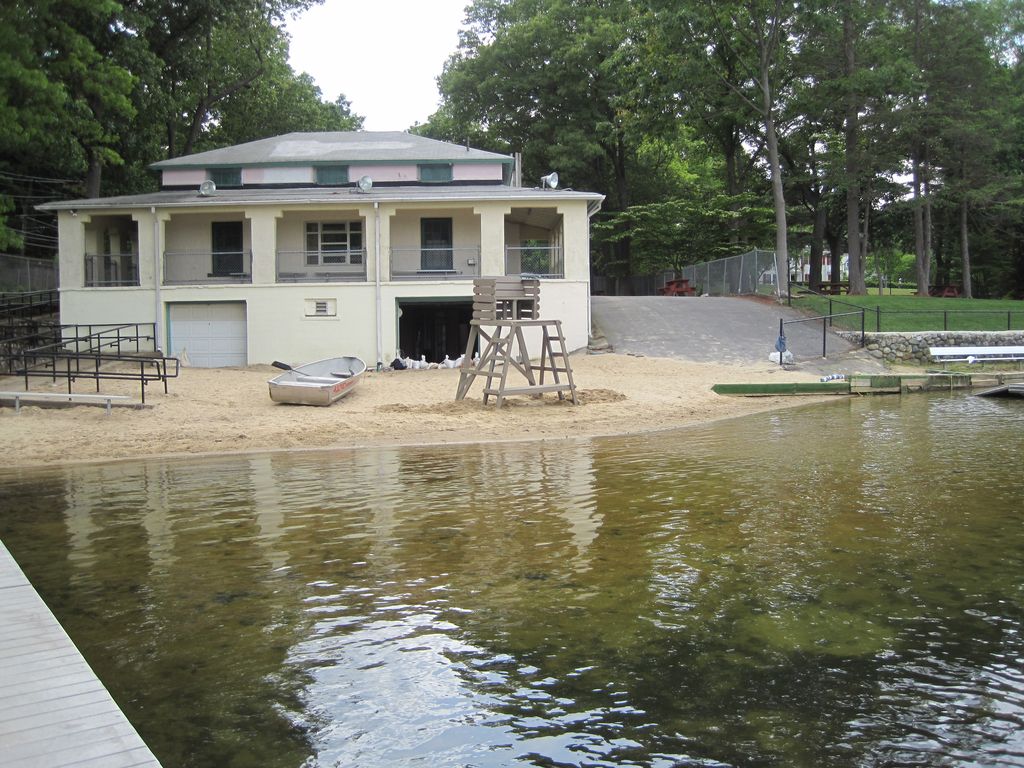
point(832, 586)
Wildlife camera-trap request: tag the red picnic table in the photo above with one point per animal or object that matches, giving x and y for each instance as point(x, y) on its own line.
point(678, 287)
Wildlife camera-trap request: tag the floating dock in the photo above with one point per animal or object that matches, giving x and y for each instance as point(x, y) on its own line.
point(858, 384)
point(1004, 390)
point(54, 711)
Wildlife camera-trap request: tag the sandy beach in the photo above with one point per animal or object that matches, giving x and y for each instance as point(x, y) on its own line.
point(225, 410)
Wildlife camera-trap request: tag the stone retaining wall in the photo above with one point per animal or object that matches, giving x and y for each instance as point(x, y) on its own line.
point(912, 348)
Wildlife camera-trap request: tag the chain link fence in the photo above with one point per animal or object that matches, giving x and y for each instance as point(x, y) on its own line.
point(754, 272)
point(21, 273)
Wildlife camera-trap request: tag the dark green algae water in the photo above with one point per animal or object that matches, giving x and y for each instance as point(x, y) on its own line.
point(837, 585)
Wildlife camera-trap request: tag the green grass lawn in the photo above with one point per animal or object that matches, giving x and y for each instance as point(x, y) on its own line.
point(918, 313)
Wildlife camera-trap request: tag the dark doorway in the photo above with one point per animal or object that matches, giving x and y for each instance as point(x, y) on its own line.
point(434, 329)
point(226, 238)
point(436, 245)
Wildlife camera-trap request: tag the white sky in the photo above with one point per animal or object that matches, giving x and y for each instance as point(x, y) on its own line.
point(384, 55)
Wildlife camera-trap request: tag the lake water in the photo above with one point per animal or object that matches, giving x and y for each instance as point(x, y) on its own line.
point(836, 585)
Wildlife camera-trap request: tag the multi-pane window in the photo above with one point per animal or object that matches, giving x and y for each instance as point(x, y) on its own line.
point(334, 242)
point(331, 175)
point(226, 177)
point(436, 172)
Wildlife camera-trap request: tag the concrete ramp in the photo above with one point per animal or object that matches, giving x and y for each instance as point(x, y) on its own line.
point(714, 329)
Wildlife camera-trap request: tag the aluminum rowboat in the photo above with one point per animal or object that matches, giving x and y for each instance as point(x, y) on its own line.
point(318, 383)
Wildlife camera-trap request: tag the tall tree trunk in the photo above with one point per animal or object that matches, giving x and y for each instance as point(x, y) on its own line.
point(865, 240)
point(818, 245)
point(778, 193)
point(851, 133)
point(732, 187)
point(922, 257)
point(94, 173)
point(965, 250)
point(928, 227)
point(835, 254)
point(922, 216)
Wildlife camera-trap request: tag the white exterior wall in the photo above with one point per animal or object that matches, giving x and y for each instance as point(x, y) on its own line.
point(191, 231)
point(576, 245)
point(99, 306)
point(278, 327)
point(291, 228)
point(184, 177)
point(406, 173)
point(477, 172)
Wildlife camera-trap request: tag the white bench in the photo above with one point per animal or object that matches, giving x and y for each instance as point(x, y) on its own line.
point(975, 354)
point(57, 397)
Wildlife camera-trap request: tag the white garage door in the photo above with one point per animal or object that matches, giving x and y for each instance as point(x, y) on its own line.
point(209, 335)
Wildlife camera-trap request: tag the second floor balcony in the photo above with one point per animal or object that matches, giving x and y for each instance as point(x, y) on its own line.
point(207, 267)
point(541, 260)
point(435, 263)
point(111, 269)
point(321, 266)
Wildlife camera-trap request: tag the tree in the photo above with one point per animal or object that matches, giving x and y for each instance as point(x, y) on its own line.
point(205, 52)
point(65, 99)
point(279, 102)
point(968, 92)
point(756, 36)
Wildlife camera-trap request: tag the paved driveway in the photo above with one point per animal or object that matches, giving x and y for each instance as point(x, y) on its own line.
point(720, 329)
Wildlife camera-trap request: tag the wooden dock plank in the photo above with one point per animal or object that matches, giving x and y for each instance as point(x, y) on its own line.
point(54, 711)
point(62, 711)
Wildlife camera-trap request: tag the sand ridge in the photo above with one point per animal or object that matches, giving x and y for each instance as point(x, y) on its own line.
point(225, 410)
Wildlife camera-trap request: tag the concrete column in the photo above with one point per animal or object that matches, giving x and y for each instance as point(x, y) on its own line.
point(575, 240)
point(263, 243)
point(492, 237)
point(71, 231)
point(150, 257)
point(386, 213)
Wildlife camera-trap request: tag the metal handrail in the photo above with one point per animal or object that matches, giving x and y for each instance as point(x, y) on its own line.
point(544, 261)
point(294, 266)
point(123, 262)
point(430, 263)
point(20, 302)
point(826, 321)
point(79, 344)
point(151, 368)
point(244, 276)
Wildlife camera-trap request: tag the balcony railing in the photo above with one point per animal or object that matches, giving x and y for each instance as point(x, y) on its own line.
point(111, 269)
point(435, 263)
point(207, 268)
point(543, 261)
point(321, 266)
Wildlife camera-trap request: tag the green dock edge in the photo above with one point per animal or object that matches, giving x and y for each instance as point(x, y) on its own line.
point(870, 385)
point(787, 388)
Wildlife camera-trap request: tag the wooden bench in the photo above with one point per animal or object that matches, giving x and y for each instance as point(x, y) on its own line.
point(61, 398)
point(944, 291)
point(975, 354)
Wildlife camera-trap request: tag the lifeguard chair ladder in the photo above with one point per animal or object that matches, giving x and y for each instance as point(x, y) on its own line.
point(502, 307)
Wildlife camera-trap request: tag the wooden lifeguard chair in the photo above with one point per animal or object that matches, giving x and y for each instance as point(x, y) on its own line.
point(502, 308)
